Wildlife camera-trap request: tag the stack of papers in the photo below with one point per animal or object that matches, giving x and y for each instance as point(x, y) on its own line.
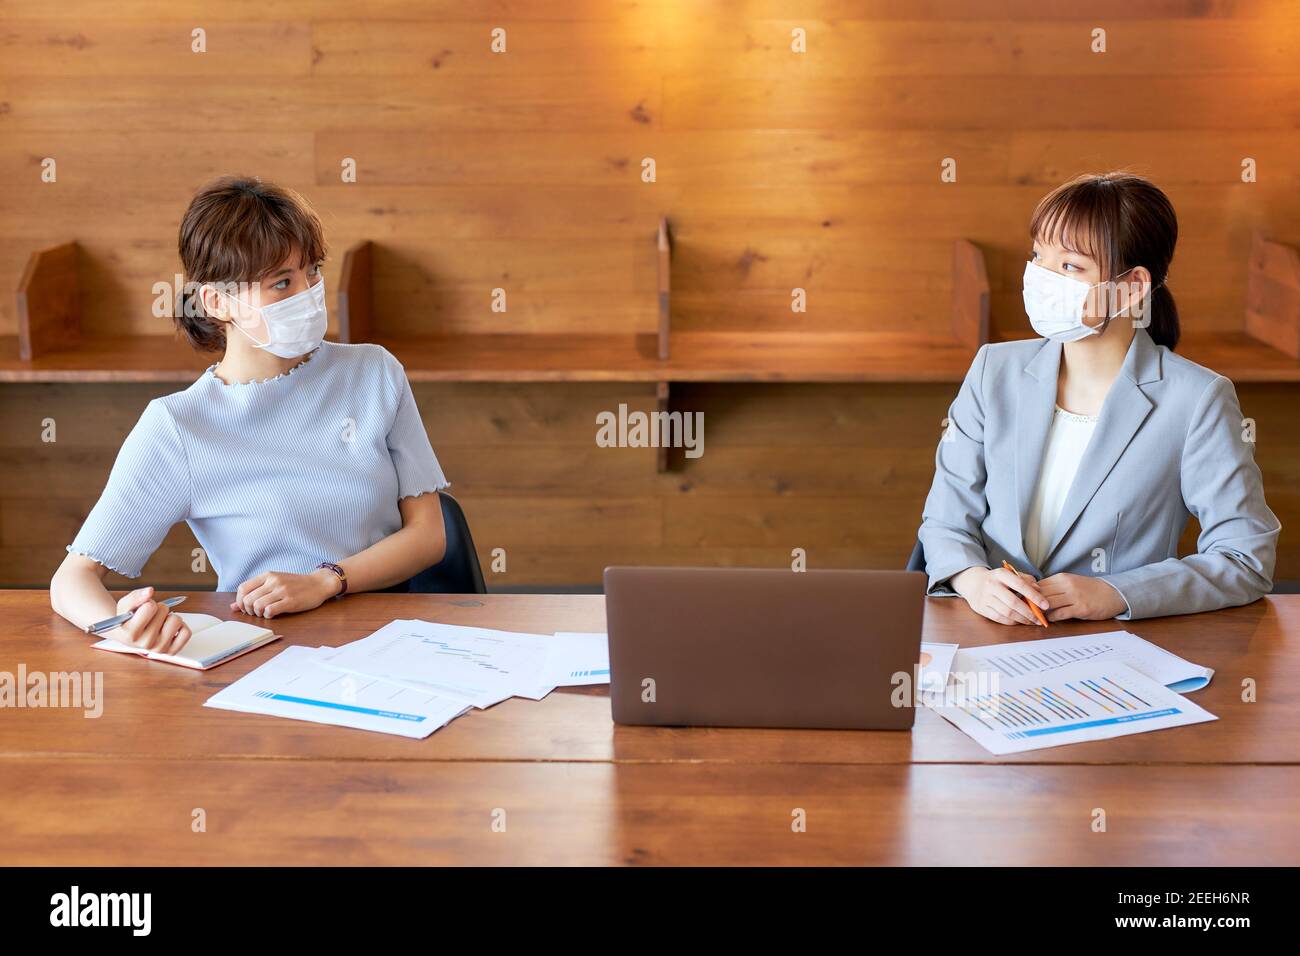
point(476, 665)
point(413, 677)
point(1035, 694)
point(1070, 704)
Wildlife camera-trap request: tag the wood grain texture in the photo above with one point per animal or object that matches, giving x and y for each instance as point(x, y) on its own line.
point(49, 302)
point(576, 789)
point(970, 295)
point(454, 11)
point(730, 96)
point(97, 46)
point(785, 356)
point(331, 813)
point(413, 94)
point(839, 470)
point(356, 295)
point(522, 171)
point(1273, 296)
point(1255, 642)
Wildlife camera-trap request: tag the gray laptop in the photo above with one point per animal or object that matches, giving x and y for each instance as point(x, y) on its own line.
point(734, 647)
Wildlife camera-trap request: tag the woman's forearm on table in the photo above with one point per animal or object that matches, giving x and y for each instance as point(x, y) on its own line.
point(420, 543)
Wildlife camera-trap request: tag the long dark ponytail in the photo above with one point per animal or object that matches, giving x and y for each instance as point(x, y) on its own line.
point(1124, 221)
point(1164, 328)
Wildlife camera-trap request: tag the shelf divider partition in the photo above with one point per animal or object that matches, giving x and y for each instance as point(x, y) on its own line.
point(49, 302)
point(970, 295)
point(663, 399)
point(664, 248)
point(663, 389)
point(356, 296)
point(1273, 295)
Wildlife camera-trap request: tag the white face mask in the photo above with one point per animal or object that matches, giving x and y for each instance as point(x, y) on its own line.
point(1055, 303)
point(295, 325)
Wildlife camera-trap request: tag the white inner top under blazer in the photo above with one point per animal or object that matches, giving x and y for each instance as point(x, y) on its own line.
point(1066, 443)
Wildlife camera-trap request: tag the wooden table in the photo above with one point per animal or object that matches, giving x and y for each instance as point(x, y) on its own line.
point(576, 789)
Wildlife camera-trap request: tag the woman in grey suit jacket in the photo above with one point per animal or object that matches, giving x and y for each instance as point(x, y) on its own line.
point(1078, 457)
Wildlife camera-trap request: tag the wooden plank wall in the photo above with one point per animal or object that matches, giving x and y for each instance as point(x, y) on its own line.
point(523, 170)
point(838, 470)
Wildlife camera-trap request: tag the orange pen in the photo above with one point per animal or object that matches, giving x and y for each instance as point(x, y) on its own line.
point(1032, 606)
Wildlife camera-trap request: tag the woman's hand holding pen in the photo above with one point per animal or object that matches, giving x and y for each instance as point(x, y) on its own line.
point(153, 626)
point(1000, 595)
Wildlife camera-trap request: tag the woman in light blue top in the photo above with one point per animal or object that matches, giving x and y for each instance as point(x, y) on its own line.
point(302, 466)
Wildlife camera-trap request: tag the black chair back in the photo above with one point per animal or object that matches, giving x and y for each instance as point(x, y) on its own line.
point(458, 572)
point(917, 561)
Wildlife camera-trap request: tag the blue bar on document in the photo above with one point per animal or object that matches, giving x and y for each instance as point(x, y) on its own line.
point(373, 712)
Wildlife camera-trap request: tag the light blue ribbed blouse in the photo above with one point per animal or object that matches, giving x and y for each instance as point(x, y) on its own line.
point(274, 475)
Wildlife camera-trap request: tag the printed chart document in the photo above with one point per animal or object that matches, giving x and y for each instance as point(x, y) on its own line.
point(475, 665)
point(1065, 704)
point(1042, 657)
point(212, 642)
point(297, 684)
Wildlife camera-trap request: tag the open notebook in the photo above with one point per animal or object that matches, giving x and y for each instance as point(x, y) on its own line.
point(213, 642)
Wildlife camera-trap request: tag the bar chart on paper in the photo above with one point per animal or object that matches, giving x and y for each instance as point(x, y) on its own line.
point(482, 653)
point(477, 665)
point(1077, 702)
point(1045, 657)
point(1013, 663)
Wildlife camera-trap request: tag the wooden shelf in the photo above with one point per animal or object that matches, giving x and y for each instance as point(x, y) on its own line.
point(1239, 356)
point(770, 357)
point(527, 358)
point(140, 358)
point(677, 355)
point(50, 347)
point(816, 357)
point(696, 357)
point(50, 306)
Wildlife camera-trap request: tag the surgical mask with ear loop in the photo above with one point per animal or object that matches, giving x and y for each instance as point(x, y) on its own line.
point(295, 325)
point(1055, 304)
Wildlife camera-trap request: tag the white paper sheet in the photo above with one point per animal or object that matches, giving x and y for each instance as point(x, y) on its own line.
point(296, 684)
point(1042, 657)
point(577, 659)
point(1090, 700)
point(476, 665)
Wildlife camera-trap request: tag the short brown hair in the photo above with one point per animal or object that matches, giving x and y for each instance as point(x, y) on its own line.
point(239, 229)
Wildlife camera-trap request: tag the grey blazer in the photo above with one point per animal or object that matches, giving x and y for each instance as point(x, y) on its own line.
point(1170, 443)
